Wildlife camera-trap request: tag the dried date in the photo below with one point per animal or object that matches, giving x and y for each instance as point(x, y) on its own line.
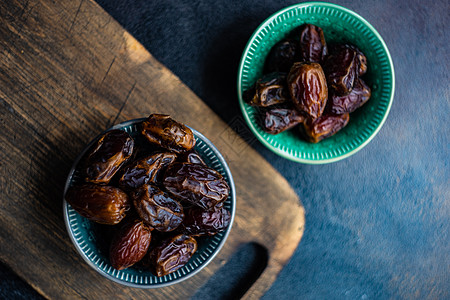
point(196, 184)
point(342, 67)
point(101, 204)
point(199, 222)
point(172, 254)
point(129, 244)
point(308, 88)
point(282, 56)
point(111, 151)
point(362, 59)
point(325, 126)
point(157, 208)
point(269, 90)
point(191, 157)
point(146, 170)
point(359, 95)
point(280, 119)
point(165, 132)
point(313, 47)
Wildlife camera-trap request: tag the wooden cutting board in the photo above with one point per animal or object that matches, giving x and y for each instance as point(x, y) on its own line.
point(69, 71)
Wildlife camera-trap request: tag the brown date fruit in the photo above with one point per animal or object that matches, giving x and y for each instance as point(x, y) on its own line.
point(146, 170)
point(157, 208)
point(99, 203)
point(359, 95)
point(269, 90)
point(111, 151)
point(313, 47)
point(196, 184)
point(341, 68)
point(172, 254)
point(325, 126)
point(308, 88)
point(280, 119)
point(165, 132)
point(199, 222)
point(191, 157)
point(129, 244)
point(362, 59)
point(282, 56)
point(248, 94)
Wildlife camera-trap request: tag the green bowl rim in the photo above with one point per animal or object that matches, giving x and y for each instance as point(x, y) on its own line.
point(242, 102)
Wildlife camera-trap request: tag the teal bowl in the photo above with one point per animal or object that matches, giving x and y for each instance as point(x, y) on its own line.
point(340, 25)
point(90, 243)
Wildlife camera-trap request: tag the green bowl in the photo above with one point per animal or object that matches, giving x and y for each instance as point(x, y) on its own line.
point(339, 25)
point(91, 245)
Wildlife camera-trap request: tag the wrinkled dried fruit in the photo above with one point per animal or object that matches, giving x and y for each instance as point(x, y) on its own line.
point(280, 119)
point(308, 88)
point(359, 95)
point(341, 67)
point(191, 157)
point(200, 222)
point(102, 204)
point(362, 59)
point(317, 82)
point(111, 151)
point(129, 245)
point(269, 90)
point(172, 254)
point(313, 47)
point(157, 208)
point(325, 126)
point(282, 56)
point(165, 132)
point(146, 170)
point(196, 184)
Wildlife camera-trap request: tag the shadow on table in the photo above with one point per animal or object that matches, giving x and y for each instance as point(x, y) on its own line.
point(13, 287)
point(237, 275)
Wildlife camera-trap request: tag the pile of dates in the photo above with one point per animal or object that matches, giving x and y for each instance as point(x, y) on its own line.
point(154, 192)
point(308, 83)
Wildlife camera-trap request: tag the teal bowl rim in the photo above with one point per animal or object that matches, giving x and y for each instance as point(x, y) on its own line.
point(232, 198)
point(242, 102)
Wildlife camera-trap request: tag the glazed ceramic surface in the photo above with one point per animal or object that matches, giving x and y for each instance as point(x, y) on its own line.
point(340, 25)
point(91, 246)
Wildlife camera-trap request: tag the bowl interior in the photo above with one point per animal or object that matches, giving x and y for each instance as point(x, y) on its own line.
point(340, 25)
point(90, 239)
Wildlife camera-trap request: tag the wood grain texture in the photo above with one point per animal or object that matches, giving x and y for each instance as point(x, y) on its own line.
point(69, 71)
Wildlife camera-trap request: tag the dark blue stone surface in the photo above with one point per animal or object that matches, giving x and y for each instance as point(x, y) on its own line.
point(378, 222)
